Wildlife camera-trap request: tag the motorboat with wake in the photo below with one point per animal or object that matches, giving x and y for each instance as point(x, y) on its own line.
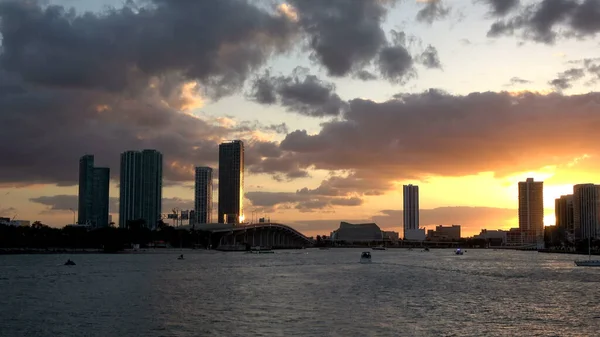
point(180, 257)
point(589, 262)
point(365, 257)
point(459, 252)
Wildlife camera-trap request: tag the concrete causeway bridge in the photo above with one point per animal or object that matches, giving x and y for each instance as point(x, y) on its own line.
point(264, 234)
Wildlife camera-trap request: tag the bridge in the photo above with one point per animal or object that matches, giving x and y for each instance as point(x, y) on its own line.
point(242, 236)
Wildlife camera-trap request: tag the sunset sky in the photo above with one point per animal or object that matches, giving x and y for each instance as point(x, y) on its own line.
point(339, 103)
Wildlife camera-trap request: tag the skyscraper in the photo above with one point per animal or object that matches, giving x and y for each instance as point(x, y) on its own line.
point(100, 197)
point(141, 187)
point(586, 211)
point(94, 184)
point(531, 210)
point(411, 210)
point(86, 180)
point(563, 211)
point(152, 165)
point(203, 195)
point(231, 181)
point(129, 190)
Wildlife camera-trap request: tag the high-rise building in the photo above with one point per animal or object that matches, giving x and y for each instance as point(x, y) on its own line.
point(231, 181)
point(586, 211)
point(86, 181)
point(203, 195)
point(411, 213)
point(130, 186)
point(94, 185)
point(531, 211)
point(152, 173)
point(100, 204)
point(563, 211)
point(141, 187)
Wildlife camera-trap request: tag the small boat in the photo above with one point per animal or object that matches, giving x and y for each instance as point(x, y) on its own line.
point(459, 252)
point(589, 262)
point(69, 263)
point(426, 249)
point(365, 257)
point(379, 248)
point(180, 257)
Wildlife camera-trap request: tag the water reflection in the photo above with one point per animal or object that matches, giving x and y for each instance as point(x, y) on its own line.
point(308, 293)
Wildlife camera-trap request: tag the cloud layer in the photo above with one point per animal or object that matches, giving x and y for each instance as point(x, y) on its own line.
point(416, 136)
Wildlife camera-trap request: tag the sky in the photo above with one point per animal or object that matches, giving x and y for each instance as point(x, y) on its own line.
point(339, 103)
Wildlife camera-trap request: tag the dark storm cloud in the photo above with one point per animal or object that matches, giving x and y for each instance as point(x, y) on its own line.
point(414, 133)
point(116, 81)
point(301, 92)
point(344, 35)
point(433, 10)
point(545, 21)
point(216, 41)
point(502, 7)
point(430, 58)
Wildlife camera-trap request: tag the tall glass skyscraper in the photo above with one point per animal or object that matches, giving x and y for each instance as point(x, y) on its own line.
point(231, 181)
point(141, 187)
point(203, 195)
point(86, 180)
point(100, 197)
point(94, 185)
point(411, 209)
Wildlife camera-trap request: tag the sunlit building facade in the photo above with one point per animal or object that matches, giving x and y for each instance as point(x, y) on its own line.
point(531, 211)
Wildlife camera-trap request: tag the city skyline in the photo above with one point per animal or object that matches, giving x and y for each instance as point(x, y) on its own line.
point(463, 98)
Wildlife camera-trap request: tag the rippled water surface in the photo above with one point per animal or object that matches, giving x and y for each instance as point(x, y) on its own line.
point(300, 293)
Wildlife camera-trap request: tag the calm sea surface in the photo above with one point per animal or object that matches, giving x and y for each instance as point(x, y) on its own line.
point(299, 293)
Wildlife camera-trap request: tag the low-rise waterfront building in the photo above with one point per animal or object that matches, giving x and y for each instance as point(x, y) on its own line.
point(444, 233)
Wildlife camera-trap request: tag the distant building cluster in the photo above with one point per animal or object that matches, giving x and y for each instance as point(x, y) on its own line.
point(531, 219)
point(444, 233)
point(141, 183)
point(578, 214)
